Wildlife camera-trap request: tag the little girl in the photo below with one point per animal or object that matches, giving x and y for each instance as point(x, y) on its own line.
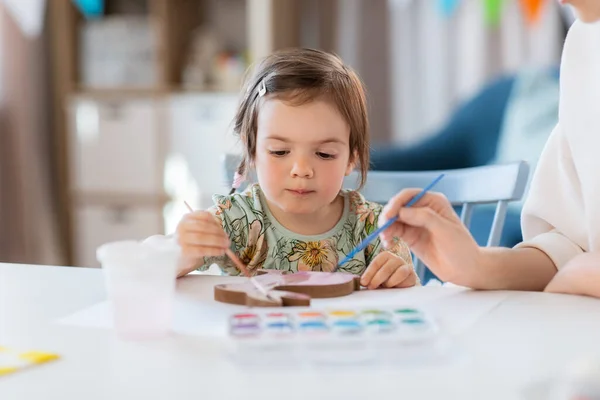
point(303, 124)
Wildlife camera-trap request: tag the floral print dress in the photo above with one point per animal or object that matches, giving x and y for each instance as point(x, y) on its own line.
point(262, 243)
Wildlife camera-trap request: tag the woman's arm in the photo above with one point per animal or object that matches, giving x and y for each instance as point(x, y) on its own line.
point(580, 276)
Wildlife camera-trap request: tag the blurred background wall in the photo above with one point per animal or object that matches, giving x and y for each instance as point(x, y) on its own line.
point(113, 112)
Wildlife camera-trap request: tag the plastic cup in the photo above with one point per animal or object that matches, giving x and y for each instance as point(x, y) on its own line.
point(140, 282)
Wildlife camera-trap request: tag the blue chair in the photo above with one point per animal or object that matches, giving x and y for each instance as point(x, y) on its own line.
point(470, 138)
point(465, 188)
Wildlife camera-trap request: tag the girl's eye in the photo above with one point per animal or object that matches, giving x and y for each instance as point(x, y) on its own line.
point(325, 156)
point(278, 153)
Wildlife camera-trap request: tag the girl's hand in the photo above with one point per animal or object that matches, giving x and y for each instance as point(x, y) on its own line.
point(200, 235)
point(389, 271)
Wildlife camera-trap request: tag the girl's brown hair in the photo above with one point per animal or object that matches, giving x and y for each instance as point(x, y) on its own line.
point(299, 76)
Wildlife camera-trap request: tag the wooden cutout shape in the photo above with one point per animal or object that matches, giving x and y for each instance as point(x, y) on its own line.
point(288, 289)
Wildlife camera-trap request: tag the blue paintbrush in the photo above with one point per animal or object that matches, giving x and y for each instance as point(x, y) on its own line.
point(362, 245)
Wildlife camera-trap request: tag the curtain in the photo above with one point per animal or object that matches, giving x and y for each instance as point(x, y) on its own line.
point(439, 60)
point(28, 227)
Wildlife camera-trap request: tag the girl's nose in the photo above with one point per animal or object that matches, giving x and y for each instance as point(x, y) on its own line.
point(302, 169)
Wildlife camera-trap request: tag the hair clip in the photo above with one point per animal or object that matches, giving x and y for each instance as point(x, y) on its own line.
point(262, 89)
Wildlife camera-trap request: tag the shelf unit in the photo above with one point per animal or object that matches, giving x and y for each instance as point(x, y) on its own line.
point(112, 143)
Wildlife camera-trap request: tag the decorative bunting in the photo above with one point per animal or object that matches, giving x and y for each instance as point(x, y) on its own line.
point(90, 8)
point(532, 10)
point(493, 11)
point(448, 7)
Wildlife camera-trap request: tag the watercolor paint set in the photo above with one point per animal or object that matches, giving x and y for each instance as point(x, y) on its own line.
point(332, 336)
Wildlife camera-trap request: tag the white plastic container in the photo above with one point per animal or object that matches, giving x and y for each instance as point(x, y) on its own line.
point(140, 282)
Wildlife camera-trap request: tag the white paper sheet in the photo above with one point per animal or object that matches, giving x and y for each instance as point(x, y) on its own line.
point(196, 313)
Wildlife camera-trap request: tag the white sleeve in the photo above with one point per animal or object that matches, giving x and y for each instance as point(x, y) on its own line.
point(553, 218)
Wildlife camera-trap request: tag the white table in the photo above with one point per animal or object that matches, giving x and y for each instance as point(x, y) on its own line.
point(526, 337)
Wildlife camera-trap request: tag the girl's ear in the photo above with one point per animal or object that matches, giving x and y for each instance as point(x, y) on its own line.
point(351, 163)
